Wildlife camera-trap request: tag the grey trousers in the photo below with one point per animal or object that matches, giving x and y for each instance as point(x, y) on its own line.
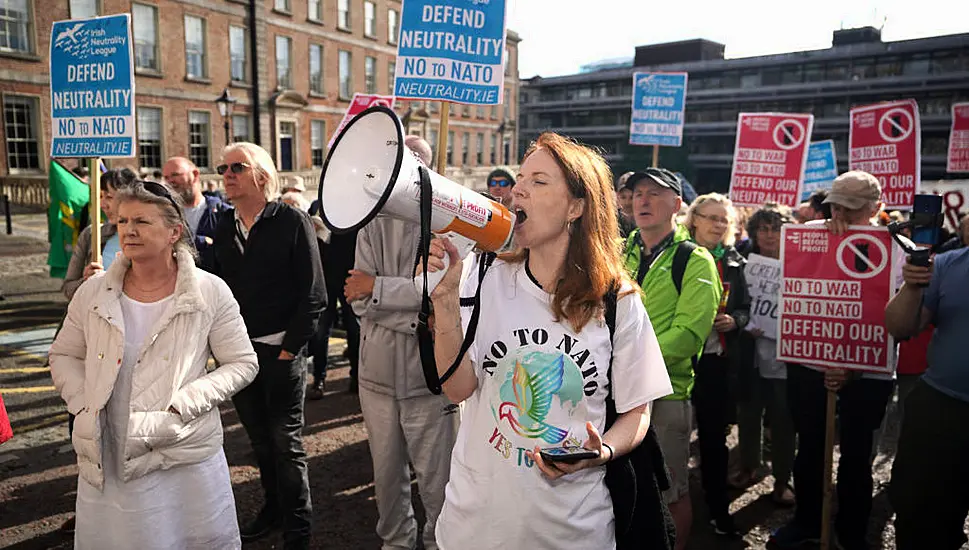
point(769, 395)
point(422, 430)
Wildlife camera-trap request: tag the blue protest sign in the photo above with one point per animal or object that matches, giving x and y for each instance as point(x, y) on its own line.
point(822, 168)
point(451, 50)
point(659, 100)
point(92, 88)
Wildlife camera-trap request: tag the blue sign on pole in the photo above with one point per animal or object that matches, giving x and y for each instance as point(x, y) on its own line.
point(659, 100)
point(92, 88)
point(822, 168)
point(451, 50)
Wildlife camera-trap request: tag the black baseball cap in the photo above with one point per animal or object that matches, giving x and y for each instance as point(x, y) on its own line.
point(659, 176)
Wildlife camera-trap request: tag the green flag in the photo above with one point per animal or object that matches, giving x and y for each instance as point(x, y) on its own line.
point(69, 198)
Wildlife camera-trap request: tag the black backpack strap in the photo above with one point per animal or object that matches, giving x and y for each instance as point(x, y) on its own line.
point(680, 259)
point(609, 301)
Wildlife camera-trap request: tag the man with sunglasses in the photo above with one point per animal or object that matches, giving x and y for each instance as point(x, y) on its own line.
point(266, 252)
point(202, 212)
point(500, 183)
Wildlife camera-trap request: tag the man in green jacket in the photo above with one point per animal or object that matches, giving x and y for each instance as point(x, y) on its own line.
point(681, 290)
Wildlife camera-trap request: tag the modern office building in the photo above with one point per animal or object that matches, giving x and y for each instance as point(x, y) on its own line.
point(292, 65)
point(593, 106)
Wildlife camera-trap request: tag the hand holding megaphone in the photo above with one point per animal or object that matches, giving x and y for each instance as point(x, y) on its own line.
point(443, 266)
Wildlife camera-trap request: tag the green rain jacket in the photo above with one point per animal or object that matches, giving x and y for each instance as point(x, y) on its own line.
point(681, 321)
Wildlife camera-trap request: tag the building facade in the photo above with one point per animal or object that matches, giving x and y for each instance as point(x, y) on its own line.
point(859, 69)
point(292, 72)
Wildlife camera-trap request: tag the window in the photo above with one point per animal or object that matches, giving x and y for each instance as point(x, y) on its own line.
point(432, 139)
point(317, 142)
point(83, 9)
point(946, 62)
point(346, 82)
point(837, 71)
point(771, 77)
point(391, 76)
point(494, 149)
point(240, 128)
point(343, 14)
point(392, 26)
point(369, 20)
point(917, 65)
point(22, 131)
point(792, 75)
point(480, 154)
point(507, 100)
point(284, 46)
point(198, 138)
point(813, 72)
point(149, 137)
point(750, 80)
point(314, 10)
point(730, 79)
point(145, 23)
point(862, 68)
point(316, 68)
point(479, 112)
point(465, 143)
point(194, 47)
point(494, 111)
point(935, 145)
point(888, 66)
point(370, 74)
point(450, 147)
point(237, 53)
point(16, 26)
point(281, 5)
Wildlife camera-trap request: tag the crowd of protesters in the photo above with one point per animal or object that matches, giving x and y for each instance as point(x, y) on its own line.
point(253, 279)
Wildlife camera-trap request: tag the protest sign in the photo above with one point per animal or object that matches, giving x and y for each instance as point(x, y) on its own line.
point(763, 281)
point(769, 158)
point(451, 50)
point(955, 199)
point(885, 140)
point(958, 159)
point(659, 100)
point(833, 296)
point(92, 85)
point(359, 104)
point(822, 168)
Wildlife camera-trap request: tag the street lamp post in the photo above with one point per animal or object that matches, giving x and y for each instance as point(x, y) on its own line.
point(225, 103)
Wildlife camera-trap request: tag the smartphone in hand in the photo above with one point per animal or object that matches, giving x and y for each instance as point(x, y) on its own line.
point(568, 455)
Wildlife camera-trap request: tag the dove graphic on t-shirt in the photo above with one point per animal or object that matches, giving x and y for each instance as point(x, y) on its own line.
point(533, 399)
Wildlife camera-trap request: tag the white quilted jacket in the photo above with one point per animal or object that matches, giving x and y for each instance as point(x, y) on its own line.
point(86, 356)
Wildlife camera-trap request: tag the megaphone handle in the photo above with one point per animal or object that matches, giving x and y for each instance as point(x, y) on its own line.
point(464, 246)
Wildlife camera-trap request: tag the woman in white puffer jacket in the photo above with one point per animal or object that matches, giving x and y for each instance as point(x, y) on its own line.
point(130, 362)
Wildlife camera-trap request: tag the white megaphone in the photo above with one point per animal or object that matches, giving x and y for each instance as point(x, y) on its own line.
point(369, 171)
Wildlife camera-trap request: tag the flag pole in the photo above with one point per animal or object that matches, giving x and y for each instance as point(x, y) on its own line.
point(655, 156)
point(94, 180)
point(442, 137)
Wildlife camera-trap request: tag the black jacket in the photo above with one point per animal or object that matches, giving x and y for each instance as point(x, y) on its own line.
point(278, 281)
point(214, 211)
point(739, 346)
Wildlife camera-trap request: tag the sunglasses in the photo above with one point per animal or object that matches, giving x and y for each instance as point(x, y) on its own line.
point(499, 183)
point(236, 167)
point(160, 190)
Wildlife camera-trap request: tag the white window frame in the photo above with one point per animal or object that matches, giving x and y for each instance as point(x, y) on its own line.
point(370, 74)
point(317, 142)
point(245, 54)
point(207, 137)
point(204, 58)
point(97, 10)
point(156, 57)
point(288, 42)
point(369, 19)
point(160, 135)
point(36, 130)
point(320, 82)
point(28, 27)
point(344, 21)
point(393, 25)
point(347, 93)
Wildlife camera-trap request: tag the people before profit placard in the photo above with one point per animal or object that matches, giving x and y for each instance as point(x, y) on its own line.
point(763, 388)
point(711, 220)
point(130, 361)
point(405, 422)
point(682, 307)
point(202, 212)
point(855, 199)
point(929, 478)
point(536, 373)
point(266, 252)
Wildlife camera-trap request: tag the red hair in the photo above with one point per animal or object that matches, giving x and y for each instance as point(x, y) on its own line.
point(593, 262)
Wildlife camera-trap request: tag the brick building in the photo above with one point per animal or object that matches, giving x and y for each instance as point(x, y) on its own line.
point(292, 73)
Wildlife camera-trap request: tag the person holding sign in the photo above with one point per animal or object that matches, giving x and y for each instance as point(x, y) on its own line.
point(766, 389)
point(711, 219)
point(855, 199)
point(930, 477)
point(130, 362)
point(537, 377)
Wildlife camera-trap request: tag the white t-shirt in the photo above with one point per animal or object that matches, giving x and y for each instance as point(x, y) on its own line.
point(538, 384)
